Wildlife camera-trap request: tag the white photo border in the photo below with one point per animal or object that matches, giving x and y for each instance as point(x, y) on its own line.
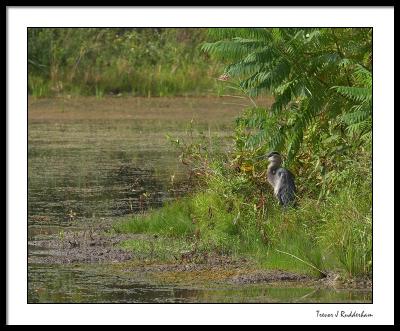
point(382, 21)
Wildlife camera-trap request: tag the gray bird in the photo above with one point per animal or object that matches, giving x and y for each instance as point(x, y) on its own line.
point(281, 179)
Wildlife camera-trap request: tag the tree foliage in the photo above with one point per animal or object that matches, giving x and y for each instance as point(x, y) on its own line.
point(321, 82)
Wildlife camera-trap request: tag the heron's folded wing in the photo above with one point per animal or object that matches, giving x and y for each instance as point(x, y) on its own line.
point(287, 187)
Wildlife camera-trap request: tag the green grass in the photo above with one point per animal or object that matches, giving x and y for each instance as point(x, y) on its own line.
point(172, 220)
point(149, 82)
point(317, 237)
point(103, 61)
point(38, 86)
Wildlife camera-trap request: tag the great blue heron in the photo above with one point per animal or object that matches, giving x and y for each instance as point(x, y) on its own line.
point(281, 179)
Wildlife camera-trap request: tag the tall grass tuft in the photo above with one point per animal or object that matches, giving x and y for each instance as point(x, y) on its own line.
point(174, 219)
point(38, 87)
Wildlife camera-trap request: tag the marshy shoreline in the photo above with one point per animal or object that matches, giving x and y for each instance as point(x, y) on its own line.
point(102, 247)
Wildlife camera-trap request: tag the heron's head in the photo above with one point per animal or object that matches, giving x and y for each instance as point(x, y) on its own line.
point(274, 158)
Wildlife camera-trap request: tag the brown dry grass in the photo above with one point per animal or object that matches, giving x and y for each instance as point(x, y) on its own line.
point(208, 109)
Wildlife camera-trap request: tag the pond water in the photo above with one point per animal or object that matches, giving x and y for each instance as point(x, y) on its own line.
point(90, 158)
point(83, 284)
point(93, 160)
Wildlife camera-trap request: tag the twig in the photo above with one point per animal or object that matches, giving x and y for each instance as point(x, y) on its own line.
point(232, 103)
point(309, 264)
point(307, 295)
point(233, 96)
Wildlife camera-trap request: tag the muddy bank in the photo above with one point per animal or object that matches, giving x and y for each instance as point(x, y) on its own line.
point(270, 276)
point(94, 247)
point(187, 267)
point(77, 247)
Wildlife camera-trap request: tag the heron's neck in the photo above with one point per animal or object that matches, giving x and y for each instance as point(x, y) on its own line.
point(272, 167)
